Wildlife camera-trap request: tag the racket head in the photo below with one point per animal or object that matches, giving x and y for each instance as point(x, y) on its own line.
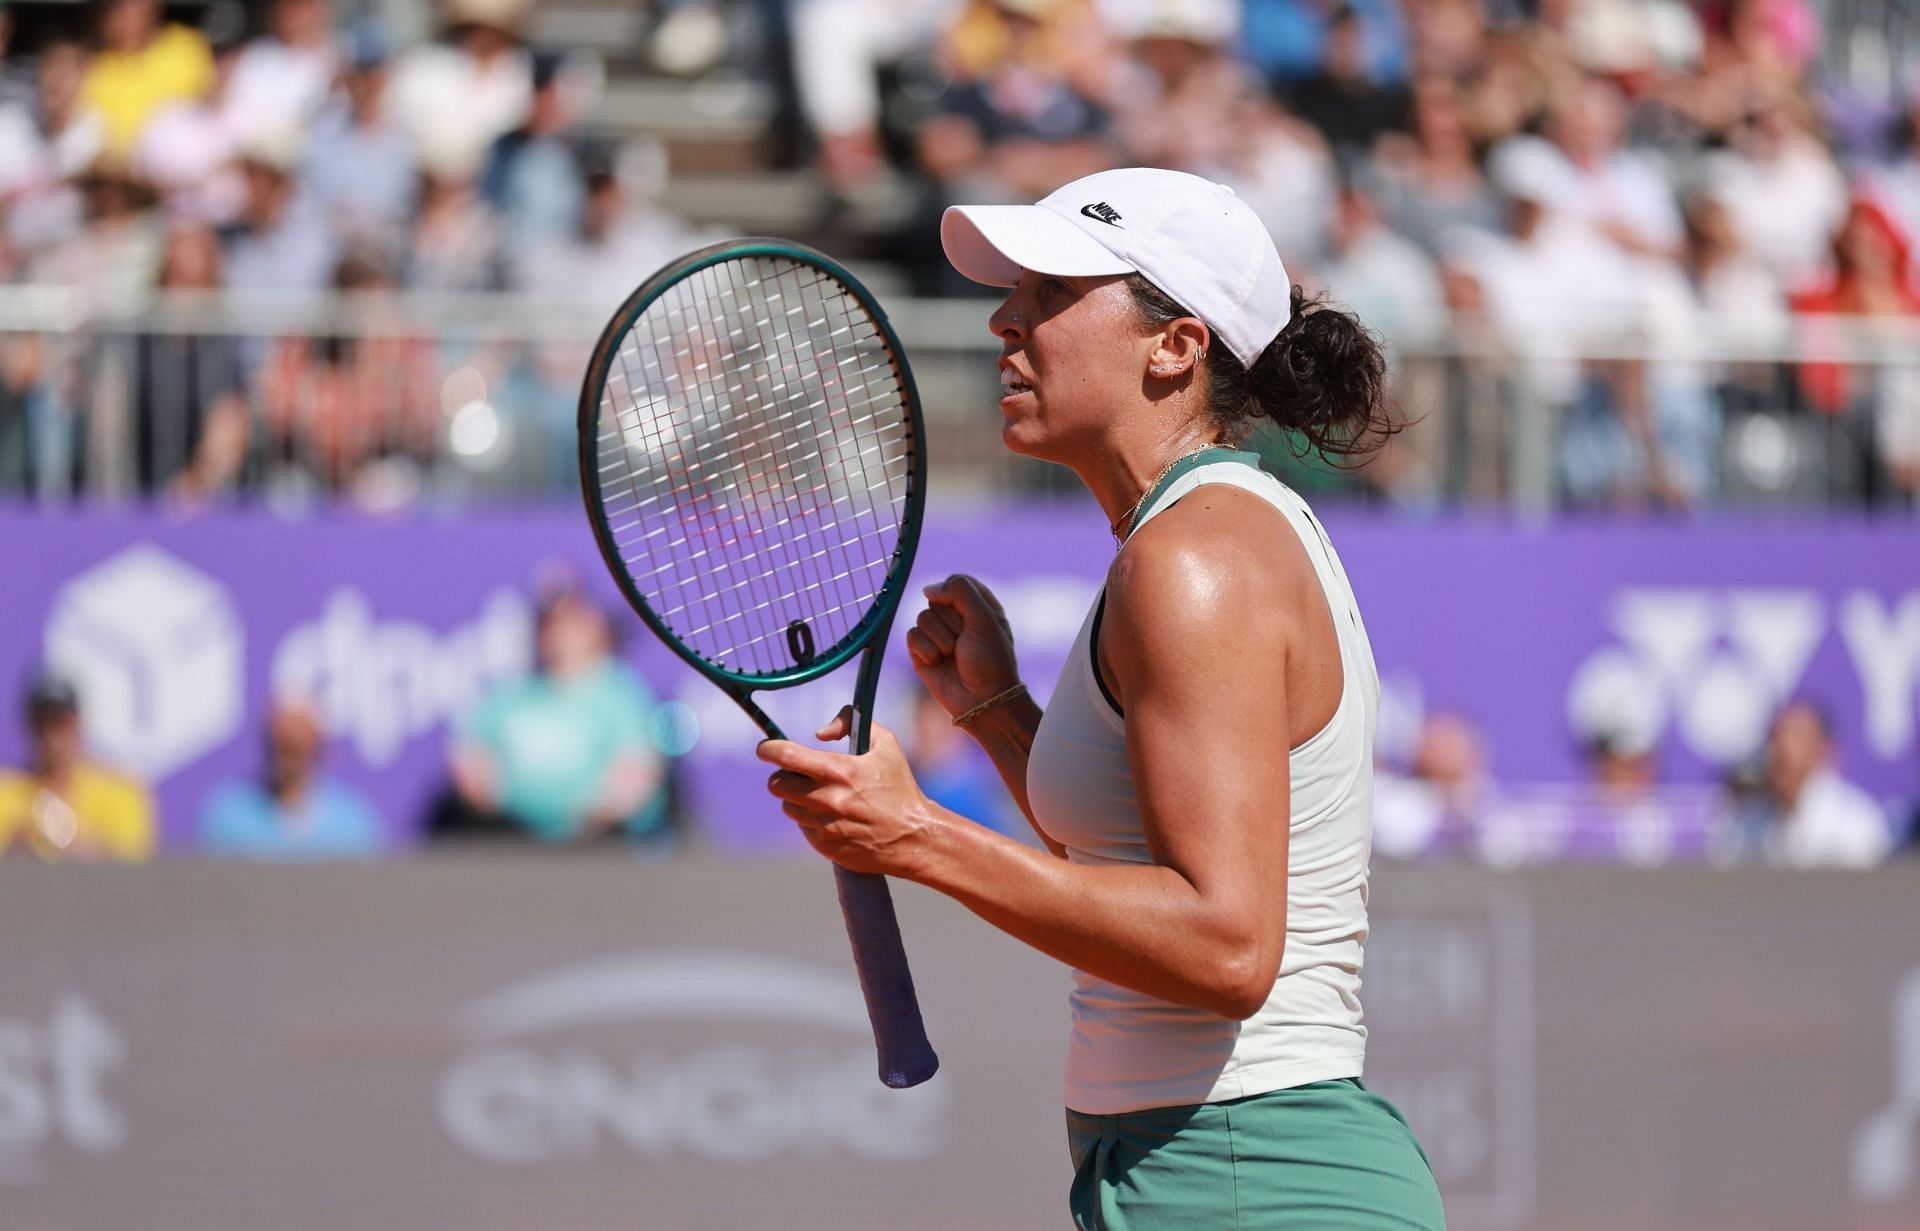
point(655, 413)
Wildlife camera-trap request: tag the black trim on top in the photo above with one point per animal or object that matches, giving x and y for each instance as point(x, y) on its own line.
point(1193, 461)
point(1093, 654)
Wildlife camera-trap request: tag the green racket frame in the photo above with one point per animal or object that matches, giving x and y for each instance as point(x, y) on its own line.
point(906, 1058)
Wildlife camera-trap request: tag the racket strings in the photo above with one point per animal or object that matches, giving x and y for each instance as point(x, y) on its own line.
point(754, 461)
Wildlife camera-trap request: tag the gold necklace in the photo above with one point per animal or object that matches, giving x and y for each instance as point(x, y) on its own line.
point(1151, 487)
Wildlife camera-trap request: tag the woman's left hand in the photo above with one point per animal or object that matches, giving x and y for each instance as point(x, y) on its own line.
point(863, 812)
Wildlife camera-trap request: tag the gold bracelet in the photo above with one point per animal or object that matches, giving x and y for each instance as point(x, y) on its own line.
point(966, 719)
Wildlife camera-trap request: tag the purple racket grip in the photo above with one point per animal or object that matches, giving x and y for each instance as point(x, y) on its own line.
point(906, 1058)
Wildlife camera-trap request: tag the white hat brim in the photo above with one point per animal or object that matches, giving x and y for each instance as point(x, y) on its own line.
point(991, 244)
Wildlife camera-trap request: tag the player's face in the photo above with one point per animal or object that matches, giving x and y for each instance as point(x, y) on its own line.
point(1073, 352)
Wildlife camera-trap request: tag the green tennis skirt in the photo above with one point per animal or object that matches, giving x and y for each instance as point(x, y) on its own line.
point(1330, 1156)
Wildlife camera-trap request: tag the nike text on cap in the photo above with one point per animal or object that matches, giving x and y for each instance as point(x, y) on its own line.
point(1191, 237)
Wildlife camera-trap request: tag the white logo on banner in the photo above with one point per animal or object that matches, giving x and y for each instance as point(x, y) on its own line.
point(1713, 663)
point(1885, 1148)
point(380, 683)
point(512, 1101)
point(1883, 638)
point(52, 1083)
point(156, 650)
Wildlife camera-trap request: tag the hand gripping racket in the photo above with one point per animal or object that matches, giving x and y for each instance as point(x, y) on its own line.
point(752, 458)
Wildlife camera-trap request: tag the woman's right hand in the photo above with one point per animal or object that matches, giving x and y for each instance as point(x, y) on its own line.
point(961, 645)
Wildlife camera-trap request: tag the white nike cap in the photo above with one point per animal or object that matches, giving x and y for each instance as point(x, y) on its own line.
point(1191, 237)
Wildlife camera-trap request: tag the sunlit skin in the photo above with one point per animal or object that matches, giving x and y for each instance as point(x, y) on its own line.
point(1080, 346)
point(1798, 747)
point(1217, 642)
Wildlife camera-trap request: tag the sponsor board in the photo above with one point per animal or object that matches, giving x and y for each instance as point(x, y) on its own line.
point(179, 632)
point(719, 1056)
point(54, 1086)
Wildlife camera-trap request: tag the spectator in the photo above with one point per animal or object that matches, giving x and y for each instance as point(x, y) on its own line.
point(1782, 190)
point(111, 263)
point(1430, 185)
point(1287, 39)
point(1821, 819)
point(1872, 283)
point(456, 244)
point(1508, 77)
point(1382, 275)
point(1286, 173)
point(533, 173)
point(562, 756)
point(282, 81)
point(464, 93)
point(840, 49)
point(187, 151)
point(1396, 289)
point(1747, 816)
point(293, 811)
point(1632, 432)
point(80, 417)
point(281, 244)
point(1343, 99)
point(43, 207)
point(333, 405)
point(63, 806)
point(1176, 96)
point(589, 268)
point(1618, 192)
point(141, 65)
point(953, 771)
point(190, 423)
point(1550, 284)
point(1741, 303)
point(614, 233)
point(22, 156)
point(1023, 116)
point(1436, 805)
point(1669, 416)
point(360, 166)
point(16, 87)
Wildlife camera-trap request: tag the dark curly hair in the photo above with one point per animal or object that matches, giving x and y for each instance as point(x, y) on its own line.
point(1324, 378)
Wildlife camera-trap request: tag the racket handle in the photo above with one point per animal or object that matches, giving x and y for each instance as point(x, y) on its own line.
point(906, 1058)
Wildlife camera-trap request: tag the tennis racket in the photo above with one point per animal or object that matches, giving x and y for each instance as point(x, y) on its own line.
point(752, 457)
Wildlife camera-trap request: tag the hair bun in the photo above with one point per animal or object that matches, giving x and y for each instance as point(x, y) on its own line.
point(1325, 378)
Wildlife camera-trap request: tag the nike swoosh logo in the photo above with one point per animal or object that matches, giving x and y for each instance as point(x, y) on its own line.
point(1088, 211)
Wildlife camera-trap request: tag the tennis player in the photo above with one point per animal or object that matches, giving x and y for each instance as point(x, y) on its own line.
point(1202, 776)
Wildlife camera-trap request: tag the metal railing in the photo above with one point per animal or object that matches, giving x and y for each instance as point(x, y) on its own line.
point(393, 398)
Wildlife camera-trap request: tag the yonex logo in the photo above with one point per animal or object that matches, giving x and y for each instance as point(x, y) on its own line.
point(1714, 664)
point(1100, 211)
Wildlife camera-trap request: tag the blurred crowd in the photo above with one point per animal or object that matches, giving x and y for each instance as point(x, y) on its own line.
point(283, 154)
point(1636, 253)
point(576, 752)
point(1666, 185)
point(1790, 805)
point(572, 756)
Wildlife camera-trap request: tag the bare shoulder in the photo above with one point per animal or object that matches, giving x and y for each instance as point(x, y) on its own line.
point(1221, 553)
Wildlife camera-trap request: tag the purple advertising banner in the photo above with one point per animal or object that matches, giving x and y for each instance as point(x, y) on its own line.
point(1689, 636)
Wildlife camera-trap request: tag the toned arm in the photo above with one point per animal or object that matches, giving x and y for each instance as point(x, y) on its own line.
point(1199, 635)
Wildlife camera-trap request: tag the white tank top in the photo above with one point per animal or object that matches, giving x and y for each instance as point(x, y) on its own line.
point(1130, 1051)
